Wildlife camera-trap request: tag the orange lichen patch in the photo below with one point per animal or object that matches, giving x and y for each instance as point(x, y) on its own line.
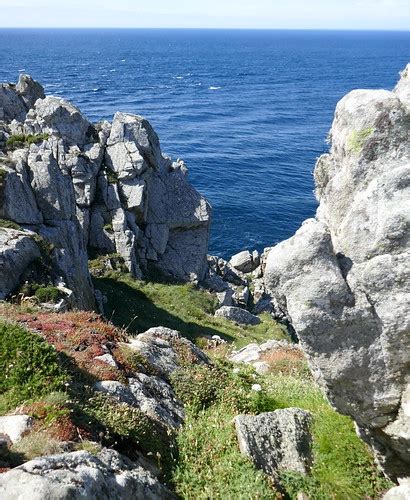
point(4, 469)
point(81, 335)
point(285, 360)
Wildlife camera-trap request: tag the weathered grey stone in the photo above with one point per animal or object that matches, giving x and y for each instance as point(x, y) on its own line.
point(53, 190)
point(237, 315)
point(156, 398)
point(17, 251)
point(109, 185)
point(166, 349)
point(17, 201)
point(225, 298)
point(79, 475)
point(15, 426)
point(133, 146)
point(107, 358)
point(29, 90)
point(56, 116)
point(401, 492)
point(11, 105)
point(117, 390)
point(342, 280)
point(277, 441)
point(243, 261)
point(70, 259)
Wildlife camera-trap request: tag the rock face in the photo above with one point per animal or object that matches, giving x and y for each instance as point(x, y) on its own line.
point(14, 426)
point(401, 492)
point(343, 278)
point(166, 350)
point(80, 475)
point(106, 188)
point(238, 315)
point(276, 441)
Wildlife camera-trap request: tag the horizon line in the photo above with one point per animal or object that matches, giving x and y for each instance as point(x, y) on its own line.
point(197, 28)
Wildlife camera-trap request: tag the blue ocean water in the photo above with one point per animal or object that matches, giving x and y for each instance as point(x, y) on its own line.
point(248, 111)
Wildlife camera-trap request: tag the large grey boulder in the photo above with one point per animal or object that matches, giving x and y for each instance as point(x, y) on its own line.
point(243, 261)
point(107, 188)
point(238, 315)
point(15, 426)
point(277, 441)
point(29, 90)
point(17, 200)
point(400, 492)
point(165, 350)
point(17, 251)
point(12, 106)
point(79, 475)
point(156, 398)
point(343, 278)
point(55, 116)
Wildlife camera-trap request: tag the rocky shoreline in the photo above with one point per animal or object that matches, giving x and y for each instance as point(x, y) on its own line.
point(71, 190)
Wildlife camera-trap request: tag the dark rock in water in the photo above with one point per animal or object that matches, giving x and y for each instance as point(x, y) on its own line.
point(277, 441)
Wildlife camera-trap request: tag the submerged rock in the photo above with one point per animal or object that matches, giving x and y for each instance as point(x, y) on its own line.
point(343, 278)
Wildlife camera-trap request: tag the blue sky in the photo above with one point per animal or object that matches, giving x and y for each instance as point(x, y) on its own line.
point(310, 14)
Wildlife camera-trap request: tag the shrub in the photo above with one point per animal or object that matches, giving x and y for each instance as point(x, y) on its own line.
point(48, 294)
point(29, 366)
point(17, 141)
point(201, 386)
point(9, 224)
point(125, 422)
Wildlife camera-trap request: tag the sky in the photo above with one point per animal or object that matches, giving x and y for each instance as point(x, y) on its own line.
point(259, 14)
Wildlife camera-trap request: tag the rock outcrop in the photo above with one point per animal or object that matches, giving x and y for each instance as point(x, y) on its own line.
point(343, 278)
point(80, 474)
point(81, 187)
point(278, 440)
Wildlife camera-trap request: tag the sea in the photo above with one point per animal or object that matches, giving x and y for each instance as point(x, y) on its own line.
point(248, 110)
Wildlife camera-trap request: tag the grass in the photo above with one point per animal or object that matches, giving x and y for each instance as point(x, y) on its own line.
point(203, 460)
point(140, 305)
point(211, 466)
point(29, 366)
point(49, 294)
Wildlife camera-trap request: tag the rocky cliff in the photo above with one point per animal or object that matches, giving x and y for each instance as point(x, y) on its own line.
point(343, 278)
point(70, 187)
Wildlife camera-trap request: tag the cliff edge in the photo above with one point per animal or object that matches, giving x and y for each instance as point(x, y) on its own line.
point(343, 278)
point(69, 188)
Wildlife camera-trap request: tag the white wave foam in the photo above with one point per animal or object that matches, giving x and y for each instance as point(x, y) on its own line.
point(213, 88)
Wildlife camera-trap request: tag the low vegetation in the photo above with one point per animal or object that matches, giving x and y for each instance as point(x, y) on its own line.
point(17, 141)
point(139, 305)
point(50, 375)
point(9, 224)
point(29, 366)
